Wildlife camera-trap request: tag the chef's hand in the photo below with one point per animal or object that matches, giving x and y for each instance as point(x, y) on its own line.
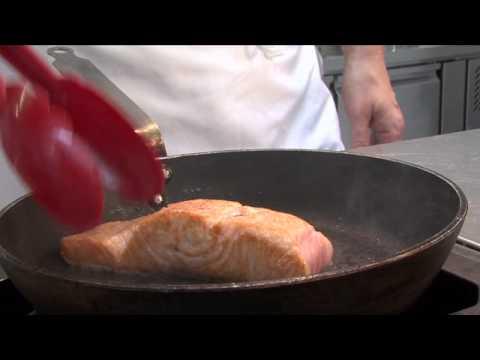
point(369, 99)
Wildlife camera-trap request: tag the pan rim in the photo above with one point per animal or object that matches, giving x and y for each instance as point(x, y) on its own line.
point(433, 240)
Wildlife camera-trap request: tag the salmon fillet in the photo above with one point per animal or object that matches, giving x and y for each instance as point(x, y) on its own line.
point(209, 239)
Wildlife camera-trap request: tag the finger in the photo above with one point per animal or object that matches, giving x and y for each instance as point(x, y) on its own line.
point(361, 134)
point(388, 124)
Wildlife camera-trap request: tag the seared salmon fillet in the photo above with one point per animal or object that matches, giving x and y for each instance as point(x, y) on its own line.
point(211, 239)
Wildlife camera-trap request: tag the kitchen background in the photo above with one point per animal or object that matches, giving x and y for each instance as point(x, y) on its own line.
point(437, 86)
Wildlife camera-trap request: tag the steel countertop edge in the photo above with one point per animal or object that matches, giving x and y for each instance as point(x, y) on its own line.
point(455, 156)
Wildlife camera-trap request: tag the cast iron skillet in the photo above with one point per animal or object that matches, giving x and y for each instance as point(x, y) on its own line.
point(392, 225)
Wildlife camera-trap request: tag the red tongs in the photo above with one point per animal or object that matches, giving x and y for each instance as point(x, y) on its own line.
point(61, 136)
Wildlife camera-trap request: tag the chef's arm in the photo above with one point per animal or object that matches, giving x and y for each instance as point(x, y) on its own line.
point(369, 99)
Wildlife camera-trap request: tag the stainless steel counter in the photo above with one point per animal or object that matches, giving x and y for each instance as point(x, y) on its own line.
point(456, 156)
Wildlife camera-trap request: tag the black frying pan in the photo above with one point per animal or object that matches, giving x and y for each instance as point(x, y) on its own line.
point(392, 226)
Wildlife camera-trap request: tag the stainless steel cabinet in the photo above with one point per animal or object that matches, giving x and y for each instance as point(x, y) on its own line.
point(452, 116)
point(472, 113)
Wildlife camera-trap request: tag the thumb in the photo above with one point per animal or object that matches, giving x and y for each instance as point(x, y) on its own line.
point(388, 125)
